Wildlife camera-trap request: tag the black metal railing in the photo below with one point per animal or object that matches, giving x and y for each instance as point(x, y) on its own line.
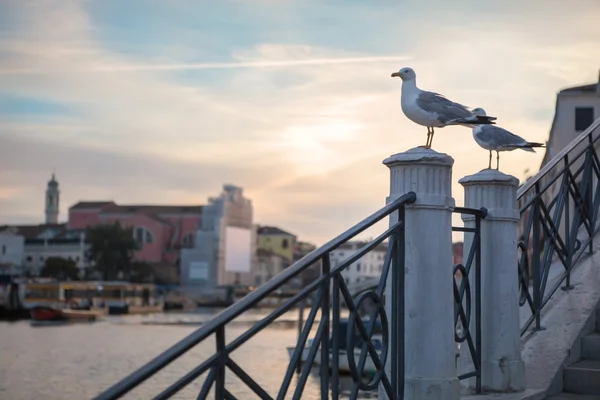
point(466, 275)
point(558, 209)
point(327, 291)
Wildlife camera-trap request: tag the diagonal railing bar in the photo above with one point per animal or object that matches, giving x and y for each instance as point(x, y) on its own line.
point(251, 383)
point(295, 360)
point(227, 395)
point(189, 377)
point(310, 359)
point(207, 384)
point(559, 213)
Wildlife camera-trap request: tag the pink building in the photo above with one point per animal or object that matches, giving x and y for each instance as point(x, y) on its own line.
point(161, 231)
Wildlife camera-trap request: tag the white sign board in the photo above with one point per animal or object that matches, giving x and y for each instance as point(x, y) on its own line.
point(238, 249)
point(198, 270)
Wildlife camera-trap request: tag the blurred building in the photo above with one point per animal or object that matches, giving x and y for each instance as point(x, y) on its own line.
point(224, 248)
point(276, 240)
point(368, 266)
point(12, 247)
point(267, 265)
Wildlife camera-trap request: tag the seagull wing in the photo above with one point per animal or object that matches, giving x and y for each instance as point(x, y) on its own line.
point(445, 109)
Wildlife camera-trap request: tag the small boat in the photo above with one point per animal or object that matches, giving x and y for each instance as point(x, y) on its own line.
point(344, 363)
point(42, 315)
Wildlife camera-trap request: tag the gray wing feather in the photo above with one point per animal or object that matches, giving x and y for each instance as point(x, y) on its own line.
point(445, 109)
point(500, 137)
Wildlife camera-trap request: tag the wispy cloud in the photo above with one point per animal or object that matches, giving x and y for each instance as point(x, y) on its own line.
point(212, 65)
point(301, 117)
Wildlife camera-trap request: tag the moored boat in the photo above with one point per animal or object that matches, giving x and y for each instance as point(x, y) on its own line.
point(42, 313)
point(47, 316)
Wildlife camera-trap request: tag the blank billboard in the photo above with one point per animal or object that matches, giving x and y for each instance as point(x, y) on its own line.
point(238, 249)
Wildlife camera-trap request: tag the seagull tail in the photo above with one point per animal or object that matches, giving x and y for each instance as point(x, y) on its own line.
point(530, 145)
point(474, 120)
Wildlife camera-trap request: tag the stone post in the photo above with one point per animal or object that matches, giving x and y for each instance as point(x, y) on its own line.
point(503, 369)
point(429, 359)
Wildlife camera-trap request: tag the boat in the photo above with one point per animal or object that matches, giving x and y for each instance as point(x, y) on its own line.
point(343, 362)
point(43, 314)
point(129, 298)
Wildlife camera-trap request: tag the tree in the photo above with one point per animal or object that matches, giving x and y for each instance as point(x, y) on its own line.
point(141, 272)
point(60, 268)
point(111, 249)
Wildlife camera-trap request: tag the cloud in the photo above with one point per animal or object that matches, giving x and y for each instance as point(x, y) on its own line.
point(214, 65)
point(298, 110)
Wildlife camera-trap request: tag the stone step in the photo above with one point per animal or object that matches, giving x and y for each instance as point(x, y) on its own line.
point(590, 346)
point(583, 377)
point(573, 396)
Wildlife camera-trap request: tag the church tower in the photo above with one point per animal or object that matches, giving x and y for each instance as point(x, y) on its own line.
point(52, 201)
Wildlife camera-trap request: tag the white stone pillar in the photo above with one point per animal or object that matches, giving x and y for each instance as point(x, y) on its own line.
point(429, 359)
point(503, 369)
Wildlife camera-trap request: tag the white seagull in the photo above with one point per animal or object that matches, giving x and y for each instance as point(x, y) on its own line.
point(494, 138)
point(432, 109)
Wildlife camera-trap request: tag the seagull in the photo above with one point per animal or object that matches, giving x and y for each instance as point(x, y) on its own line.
point(499, 139)
point(432, 109)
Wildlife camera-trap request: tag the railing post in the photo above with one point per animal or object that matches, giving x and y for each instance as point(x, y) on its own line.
point(429, 355)
point(503, 369)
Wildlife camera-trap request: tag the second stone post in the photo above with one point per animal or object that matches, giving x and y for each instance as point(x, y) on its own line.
point(502, 368)
point(430, 372)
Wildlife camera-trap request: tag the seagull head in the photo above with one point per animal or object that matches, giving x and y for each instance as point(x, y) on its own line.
point(479, 111)
point(405, 74)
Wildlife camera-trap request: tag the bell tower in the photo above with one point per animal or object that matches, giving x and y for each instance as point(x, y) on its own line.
point(52, 201)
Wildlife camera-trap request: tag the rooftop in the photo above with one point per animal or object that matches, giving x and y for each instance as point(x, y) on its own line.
point(152, 209)
point(90, 204)
point(40, 231)
point(273, 230)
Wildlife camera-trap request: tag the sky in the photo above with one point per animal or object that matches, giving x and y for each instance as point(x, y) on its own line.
point(158, 102)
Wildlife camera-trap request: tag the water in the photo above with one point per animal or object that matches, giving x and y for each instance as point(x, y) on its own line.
point(78, 361)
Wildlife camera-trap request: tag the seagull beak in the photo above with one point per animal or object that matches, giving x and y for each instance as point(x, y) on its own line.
point(395, 74)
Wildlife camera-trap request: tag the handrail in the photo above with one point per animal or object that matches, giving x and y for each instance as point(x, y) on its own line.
point(557, 158)
point(556, 217)
point(217, 323)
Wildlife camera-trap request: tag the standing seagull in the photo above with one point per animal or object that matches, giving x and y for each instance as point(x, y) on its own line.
point(432, 109)
point(499, 139)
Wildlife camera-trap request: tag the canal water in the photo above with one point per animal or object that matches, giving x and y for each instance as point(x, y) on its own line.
point(77, 361)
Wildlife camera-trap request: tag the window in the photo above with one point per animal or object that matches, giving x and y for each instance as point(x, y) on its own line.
point(3, 249)
point(284, 243)
point(188, 240)
point(29, 259)
point(584, 117)
point(142, 235)
point(358, 267)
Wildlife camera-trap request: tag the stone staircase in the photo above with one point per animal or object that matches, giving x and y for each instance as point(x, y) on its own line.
point(581, 380)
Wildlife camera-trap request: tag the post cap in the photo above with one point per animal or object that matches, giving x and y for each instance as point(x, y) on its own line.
point(419, 155)
point(489, 176)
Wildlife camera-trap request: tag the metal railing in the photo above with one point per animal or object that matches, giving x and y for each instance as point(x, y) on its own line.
point(327, 291)
point(559, 209)
point(467, 327)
